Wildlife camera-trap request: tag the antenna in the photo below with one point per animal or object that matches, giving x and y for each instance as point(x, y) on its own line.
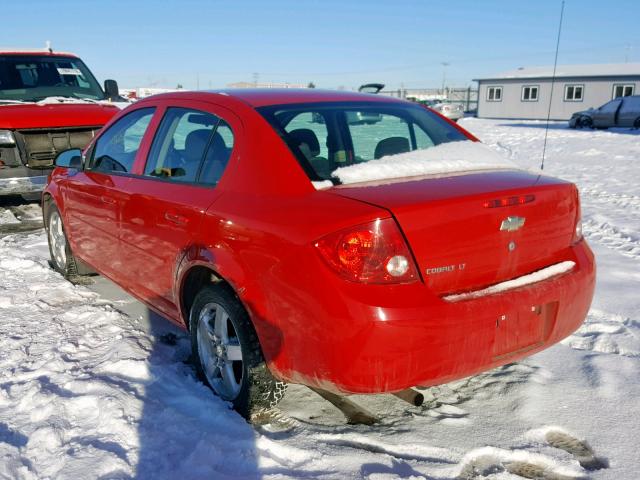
point(48, 46)
point(553, 81)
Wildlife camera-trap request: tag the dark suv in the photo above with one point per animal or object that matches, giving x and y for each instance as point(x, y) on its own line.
point(619, 112)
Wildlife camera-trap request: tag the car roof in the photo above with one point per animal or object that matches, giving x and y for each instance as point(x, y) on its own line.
point(261, 97)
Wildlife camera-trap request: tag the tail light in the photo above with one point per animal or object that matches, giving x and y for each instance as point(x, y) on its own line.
point(509, 201)
point(374, 252)
point(577, 233)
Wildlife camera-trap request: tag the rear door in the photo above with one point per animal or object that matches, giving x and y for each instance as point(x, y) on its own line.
point(94, 196)
point(169, 195)
point(629, 111)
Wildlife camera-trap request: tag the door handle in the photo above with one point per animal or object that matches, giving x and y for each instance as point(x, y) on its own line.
point(107, 200)
point(176, 218)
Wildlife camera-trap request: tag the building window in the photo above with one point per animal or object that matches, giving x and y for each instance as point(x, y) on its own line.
point(529, 93)
point(573, 93)
point(621, 90)
point(494, 94)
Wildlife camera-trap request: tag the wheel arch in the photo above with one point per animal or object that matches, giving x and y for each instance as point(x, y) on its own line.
point(193, 279)
point(200, 267)
point(47, 201)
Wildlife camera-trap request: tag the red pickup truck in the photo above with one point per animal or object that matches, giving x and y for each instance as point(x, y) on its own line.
point(49, 102)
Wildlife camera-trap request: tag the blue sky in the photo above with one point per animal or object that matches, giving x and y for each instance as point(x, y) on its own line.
point(332, 43)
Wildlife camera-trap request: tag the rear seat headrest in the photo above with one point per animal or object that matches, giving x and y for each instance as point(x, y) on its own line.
point(309, 138)
point(391, 146)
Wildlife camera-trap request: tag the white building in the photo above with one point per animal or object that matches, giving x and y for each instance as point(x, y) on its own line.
point(525, 93)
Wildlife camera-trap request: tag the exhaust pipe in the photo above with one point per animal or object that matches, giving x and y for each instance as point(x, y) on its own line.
point(411, 396)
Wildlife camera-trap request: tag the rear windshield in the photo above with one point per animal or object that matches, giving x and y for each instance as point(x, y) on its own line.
point(36, 77)
point(328, 136)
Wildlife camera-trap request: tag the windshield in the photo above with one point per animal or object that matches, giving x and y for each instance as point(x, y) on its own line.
point(32, 78)
point(328, 136)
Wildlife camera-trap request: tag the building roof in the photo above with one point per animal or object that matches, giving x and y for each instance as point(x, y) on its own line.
point(565, 71)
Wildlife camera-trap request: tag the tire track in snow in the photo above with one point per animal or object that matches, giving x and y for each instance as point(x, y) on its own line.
point(605, 332)
point(611, 237)
point(629, 203)
point(523, 463)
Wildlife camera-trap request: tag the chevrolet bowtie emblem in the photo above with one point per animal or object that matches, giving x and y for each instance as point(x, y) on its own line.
point(511, 224)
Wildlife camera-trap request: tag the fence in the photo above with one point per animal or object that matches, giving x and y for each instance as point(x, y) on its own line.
point(467, 96)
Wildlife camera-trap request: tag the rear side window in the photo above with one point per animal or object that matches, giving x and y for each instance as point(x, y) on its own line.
point(116, 149)
point(217, 155)
point(190, 146)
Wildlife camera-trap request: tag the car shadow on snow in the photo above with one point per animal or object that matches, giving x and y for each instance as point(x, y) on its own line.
point(184, 430)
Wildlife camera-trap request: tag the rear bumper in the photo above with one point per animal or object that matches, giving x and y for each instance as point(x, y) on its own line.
point(22, 181)
point(392, 340)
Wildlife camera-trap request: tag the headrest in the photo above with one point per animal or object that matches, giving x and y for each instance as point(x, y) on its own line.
point(391, 146)
point(308, 137)
point(195, 142)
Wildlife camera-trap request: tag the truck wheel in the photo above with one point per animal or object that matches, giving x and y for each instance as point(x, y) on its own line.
point(62, 259)
point(636, 124)
point(227, 353)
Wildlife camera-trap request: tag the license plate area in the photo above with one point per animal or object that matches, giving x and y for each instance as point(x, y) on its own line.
point(524, 329)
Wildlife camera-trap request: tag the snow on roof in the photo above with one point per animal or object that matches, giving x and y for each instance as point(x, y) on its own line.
point(446, 158)
point(593, 70)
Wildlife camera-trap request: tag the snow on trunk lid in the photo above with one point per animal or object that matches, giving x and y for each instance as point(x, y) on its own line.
point(445, 158)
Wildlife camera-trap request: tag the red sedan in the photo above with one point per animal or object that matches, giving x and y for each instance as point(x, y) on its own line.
point(349, 242)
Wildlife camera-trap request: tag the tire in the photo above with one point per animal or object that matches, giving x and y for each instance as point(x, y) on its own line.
point(585, 122)
point(227, 354)
point(62, 258)
point(636, 124)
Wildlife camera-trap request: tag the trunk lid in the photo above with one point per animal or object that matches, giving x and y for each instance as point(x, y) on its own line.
point(461, 242)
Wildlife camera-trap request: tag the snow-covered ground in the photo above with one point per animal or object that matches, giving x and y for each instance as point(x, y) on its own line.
point(87, 391)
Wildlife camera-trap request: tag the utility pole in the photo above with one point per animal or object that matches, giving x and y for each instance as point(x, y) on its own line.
point(256, 77)
point(444, 75)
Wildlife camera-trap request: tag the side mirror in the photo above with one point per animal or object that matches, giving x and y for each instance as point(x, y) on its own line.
point(70, 159)
point(111, 90)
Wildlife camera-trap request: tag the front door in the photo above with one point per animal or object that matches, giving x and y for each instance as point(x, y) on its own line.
point(606, 115)
point(168, 198)
point(94, 196)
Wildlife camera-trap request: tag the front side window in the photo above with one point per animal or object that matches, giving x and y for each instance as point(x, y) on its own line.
point(116, 149)
point(530, 93)
point(190, 146)
point(36, 77)
point(610, 107)
point(623, 90)
point(327, 136)
point(573, 93)
point(494, 94)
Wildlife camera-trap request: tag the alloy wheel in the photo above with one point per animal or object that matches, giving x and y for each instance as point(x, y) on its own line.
point(57, 240)
point(219, 351)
